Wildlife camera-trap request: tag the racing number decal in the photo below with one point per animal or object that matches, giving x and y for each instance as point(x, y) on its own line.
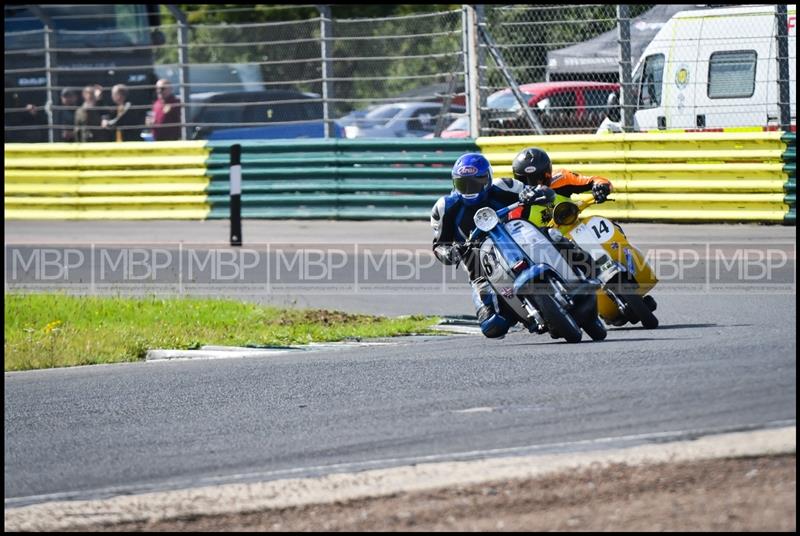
point(601, 228)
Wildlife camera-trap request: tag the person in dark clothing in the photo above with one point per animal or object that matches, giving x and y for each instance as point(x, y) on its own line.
point(64, 116)
point(27, 123)
point(122, 117)
point(166, 113)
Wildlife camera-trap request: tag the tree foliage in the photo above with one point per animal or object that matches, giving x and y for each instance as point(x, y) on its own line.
point(285, 42)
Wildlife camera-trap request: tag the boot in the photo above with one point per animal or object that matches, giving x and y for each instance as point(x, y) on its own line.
point(493, 324)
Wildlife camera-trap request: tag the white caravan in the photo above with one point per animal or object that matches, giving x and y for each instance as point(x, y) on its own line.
point(714, 68)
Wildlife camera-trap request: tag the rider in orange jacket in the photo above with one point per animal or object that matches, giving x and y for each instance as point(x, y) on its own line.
point(532, 166)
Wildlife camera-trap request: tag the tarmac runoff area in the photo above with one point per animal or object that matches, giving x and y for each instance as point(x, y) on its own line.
point(334, 490)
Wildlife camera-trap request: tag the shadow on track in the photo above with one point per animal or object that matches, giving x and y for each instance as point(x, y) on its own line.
point(662, 327)
point(587, 340)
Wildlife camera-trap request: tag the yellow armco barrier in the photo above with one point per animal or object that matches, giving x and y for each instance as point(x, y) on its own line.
point(698, 176)
point(138, 180)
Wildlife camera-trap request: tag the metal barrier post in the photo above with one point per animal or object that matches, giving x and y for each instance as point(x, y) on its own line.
point(471, 87)
point(326, 46)
point(784, 87)
point(183, 64)
point(48, 65)
point(626, 93)
point(236, 195)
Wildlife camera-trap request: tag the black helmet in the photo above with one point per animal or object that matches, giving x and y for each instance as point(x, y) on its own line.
point(532, 166)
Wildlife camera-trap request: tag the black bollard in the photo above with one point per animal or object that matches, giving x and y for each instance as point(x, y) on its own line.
point(236, 195)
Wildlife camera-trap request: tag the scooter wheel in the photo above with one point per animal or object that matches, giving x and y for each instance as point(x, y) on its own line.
point(639, 309)
point(595, 329)
point(559, 320)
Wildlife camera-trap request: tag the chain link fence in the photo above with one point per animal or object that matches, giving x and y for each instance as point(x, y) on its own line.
point(568, 93)
point(271, 71)
point(409, 67)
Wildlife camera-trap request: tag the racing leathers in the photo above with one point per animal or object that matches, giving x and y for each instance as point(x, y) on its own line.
point(452, 222)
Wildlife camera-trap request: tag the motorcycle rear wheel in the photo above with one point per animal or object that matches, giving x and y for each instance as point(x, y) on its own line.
point(641, 311)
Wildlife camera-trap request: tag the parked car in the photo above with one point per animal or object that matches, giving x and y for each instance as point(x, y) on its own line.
point(562, 107)
point(218, 113)
point(353, 117)
point(567, 107)
point(457, 129)
point(401, 119)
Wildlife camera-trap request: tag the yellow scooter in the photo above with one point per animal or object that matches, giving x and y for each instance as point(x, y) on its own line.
point(621, 268)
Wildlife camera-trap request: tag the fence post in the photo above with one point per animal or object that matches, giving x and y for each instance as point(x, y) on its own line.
point(480, 18)
point(624, 40)
point(326, 45)
point(236, 194)
point(48, 64)
point(183, 64)
point(469, 37)
point(784, 87)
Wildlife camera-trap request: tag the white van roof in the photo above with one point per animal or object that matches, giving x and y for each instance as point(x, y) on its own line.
point(730, 11)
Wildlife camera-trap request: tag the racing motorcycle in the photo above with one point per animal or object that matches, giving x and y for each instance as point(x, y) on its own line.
point(531, 277)
point(621, 268)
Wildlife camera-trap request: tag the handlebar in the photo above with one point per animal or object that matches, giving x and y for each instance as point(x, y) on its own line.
point(584, 203)
point(503, 212)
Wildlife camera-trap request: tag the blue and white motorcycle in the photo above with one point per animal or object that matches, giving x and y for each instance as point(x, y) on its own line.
point(529, 274)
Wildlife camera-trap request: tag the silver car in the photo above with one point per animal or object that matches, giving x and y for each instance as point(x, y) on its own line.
point(401, 119)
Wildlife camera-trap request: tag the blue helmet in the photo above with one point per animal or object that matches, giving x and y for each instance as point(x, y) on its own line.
point(472, 177)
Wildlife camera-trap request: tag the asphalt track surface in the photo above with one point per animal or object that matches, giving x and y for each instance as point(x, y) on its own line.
point(722, 359)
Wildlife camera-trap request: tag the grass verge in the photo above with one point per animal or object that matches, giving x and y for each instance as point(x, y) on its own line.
point(56, 330)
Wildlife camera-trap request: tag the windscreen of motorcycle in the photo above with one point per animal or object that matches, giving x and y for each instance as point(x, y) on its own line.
point(539, 248)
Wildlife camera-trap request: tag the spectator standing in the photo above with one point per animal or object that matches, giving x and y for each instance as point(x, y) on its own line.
point(35, 116)
point(64, 118)
point(166, 113)
point(30, 120)
point(122, 118)
point(88, 118)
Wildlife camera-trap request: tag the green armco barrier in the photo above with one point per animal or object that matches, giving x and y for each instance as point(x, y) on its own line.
point(790, 168)
point(325, 185)
point(336, 179)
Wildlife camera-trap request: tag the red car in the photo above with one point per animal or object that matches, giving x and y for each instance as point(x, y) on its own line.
point(562, 107)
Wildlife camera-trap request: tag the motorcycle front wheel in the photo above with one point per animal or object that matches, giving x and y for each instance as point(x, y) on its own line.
point(596, 329)
point(558, 320)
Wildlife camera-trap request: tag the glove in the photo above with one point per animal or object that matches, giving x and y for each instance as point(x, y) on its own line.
point(600, 191)
point(458, 251)
point(541, 195)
